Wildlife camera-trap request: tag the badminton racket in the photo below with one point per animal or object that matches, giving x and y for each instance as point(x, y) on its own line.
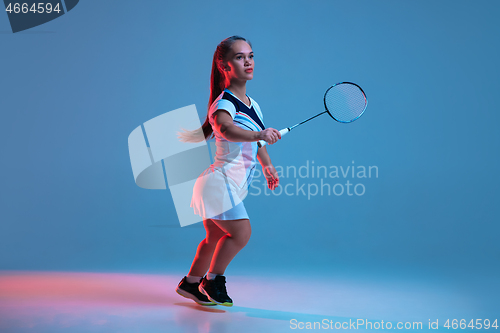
point(345, 102)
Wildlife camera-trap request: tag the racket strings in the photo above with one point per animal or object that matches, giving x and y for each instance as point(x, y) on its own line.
point(345, 102)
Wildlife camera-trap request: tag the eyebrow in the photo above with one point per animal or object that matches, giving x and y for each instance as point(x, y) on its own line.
point(242, 53)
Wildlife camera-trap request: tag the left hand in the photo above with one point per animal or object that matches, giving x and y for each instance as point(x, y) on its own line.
point(271, 176)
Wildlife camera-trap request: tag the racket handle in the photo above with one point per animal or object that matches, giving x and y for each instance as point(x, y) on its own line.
point(262, 143)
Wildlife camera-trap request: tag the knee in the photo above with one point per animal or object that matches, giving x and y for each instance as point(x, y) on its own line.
point(213, 238)
point(241, 237)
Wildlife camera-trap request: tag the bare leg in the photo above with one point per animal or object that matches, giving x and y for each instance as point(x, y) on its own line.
point(206, 248)
point(237, 235)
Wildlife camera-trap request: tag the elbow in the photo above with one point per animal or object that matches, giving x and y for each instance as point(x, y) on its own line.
point(224, 130)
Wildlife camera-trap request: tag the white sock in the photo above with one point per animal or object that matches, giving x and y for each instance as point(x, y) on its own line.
point(193, 279)
point(211, 276)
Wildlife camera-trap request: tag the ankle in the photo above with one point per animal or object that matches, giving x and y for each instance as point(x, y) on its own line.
point(193, 279)
point(211, 276)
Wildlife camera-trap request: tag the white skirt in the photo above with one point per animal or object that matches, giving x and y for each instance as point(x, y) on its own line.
point(216, 196)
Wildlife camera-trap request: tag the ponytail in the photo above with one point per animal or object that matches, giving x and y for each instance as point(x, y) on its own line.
point(217, 86)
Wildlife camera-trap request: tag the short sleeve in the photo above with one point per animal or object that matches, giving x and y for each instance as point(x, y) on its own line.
point(224, 104)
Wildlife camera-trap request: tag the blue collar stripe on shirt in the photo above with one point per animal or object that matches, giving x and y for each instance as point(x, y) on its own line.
point(248, 112)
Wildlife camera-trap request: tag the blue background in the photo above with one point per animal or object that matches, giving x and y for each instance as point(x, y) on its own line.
point(74, 88)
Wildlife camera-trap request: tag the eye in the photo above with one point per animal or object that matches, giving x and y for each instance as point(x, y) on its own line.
point(238, 57)
point(251, 56)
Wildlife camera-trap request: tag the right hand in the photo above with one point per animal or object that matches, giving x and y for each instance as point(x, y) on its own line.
point(270, 135)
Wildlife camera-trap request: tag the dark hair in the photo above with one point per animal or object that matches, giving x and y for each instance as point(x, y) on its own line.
point(217, 78)
point(217, 86)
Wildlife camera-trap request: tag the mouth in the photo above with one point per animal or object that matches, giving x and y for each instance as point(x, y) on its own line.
point(249, 70)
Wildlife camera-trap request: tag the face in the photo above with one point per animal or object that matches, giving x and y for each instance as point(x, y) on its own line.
point(239, 64)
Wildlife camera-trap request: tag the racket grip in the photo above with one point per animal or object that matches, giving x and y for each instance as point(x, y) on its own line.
point(262, 143)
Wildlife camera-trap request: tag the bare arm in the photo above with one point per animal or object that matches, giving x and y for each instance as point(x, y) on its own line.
point(269, 171)
point(263, 157)
point(224, 125)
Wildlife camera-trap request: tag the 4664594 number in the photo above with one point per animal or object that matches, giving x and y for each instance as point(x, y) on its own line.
point(36, 8)
point(473, 324)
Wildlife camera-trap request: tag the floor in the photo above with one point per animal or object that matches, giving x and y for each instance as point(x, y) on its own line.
point(37, 301)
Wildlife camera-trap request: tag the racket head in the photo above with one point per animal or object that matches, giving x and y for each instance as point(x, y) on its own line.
point(345, 102)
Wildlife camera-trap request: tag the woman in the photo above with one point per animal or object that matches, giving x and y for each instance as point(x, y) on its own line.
point(236, 121)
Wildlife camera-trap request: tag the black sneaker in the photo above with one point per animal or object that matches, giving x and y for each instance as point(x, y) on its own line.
point(190, 290)
point(215, 290)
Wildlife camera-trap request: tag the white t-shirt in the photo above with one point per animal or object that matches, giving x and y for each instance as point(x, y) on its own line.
point(237, 159)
